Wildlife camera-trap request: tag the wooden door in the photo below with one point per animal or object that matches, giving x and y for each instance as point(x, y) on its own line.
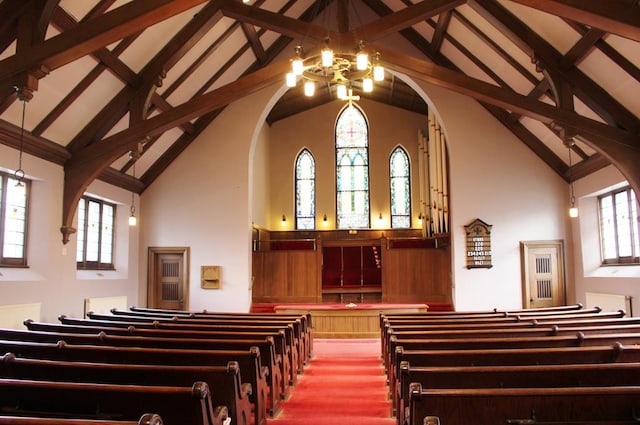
point(543, 274)
point(168, 286)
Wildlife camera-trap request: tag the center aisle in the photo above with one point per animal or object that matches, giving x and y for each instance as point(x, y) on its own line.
point(343, 383)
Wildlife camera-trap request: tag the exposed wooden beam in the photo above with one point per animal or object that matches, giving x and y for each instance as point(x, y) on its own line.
point(161, 63)
point(591, 94)
point(504, 98)
point(614, 16)
point(581, 48)
point(95, 34)
point(290, 27)
point(251, 34)
point(440, 31)
point(404, 18)
point(620, 147)
point(88, 163)
point(33, 145)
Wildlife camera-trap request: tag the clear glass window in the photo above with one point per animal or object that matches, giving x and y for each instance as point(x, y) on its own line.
point(14, 196)
point(96, 220)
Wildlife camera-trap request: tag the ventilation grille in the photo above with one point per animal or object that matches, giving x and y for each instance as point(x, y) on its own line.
point(544, 288)
point(543, 264)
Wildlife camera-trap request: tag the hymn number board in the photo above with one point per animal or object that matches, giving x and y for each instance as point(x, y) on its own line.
point(478, 244)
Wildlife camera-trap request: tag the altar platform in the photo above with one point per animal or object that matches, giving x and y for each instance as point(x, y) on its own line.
point(348, 320)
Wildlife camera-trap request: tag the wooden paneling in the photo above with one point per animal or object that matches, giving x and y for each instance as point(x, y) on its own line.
point(416, 275)
point(286, 276)
point(409, 275)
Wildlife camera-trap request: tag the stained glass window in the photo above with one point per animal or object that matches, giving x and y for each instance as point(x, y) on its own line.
point(400, 189)
point(13, 220)
point(305, 191)
point(352, 169)
point(95, 234)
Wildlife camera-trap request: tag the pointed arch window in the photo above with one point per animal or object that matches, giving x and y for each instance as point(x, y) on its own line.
point(305, 190)
point(352, 169)
point(400, 188)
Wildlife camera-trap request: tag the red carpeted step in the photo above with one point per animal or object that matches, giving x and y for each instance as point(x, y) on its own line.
point(344, 382)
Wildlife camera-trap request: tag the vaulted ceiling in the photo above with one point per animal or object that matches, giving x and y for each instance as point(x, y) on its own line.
point(105, 78)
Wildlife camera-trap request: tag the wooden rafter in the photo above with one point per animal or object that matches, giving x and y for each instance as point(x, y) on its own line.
point(93, 35)
point(614, 16)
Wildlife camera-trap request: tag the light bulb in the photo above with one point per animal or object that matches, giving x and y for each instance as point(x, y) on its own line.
point(362, 61)
point(309, 88)
point(291, 79)
point(342, 92)
point(297, 67)
point(378, 73)
point(327, 57)
point(367, 85)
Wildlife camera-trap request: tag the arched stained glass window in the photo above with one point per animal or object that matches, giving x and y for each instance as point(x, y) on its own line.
point(305, 190)
point(352, 169)
point(399, 180)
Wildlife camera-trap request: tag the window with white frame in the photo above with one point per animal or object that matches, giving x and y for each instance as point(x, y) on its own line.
point(14, 200)
point(96, 220)
point(305, 191)
point(619, 227)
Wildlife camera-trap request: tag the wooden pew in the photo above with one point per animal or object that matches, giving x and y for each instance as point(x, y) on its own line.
point(617, 353)
point(305, 319)
point(578, 339)
point(290, 339)
point(506, 332)
point(225, 381)
point(249, 361)
point(146, 419)
point(189, 405)
point(524, 324)
point(491, 406)
point(296, 338)
point(282, 350)
point(527, 376)
point(266, 346)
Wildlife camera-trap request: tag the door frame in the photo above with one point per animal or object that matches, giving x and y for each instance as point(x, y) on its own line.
point(524, 261)
point(153, 253)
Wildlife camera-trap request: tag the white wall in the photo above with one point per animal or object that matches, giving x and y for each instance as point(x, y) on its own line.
point(590, 275)
point(496, 178)
point(51, 277)
point(203, 201)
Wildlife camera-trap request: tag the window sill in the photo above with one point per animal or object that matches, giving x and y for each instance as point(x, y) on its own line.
point(616, 271)
point(99, 275)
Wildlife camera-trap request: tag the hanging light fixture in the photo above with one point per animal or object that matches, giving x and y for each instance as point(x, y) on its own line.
point(132, 218)
point(344, 70)
point(19, 173)
point(573, 210)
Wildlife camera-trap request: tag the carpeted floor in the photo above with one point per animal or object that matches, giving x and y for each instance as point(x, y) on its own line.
point(344, 383)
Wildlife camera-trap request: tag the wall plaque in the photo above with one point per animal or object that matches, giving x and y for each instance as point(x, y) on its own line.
point(478, 244)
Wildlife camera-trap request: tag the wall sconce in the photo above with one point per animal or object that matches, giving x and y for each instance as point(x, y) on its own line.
point(284, 220)
point(380, 216)
point(324, 218)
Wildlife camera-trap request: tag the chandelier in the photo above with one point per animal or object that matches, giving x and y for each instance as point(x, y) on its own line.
point(343, 70)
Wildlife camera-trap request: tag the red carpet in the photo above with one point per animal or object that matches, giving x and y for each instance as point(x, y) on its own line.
point(344, 383)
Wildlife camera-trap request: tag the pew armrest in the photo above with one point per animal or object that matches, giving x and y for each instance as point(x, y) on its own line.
point(246, 389)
